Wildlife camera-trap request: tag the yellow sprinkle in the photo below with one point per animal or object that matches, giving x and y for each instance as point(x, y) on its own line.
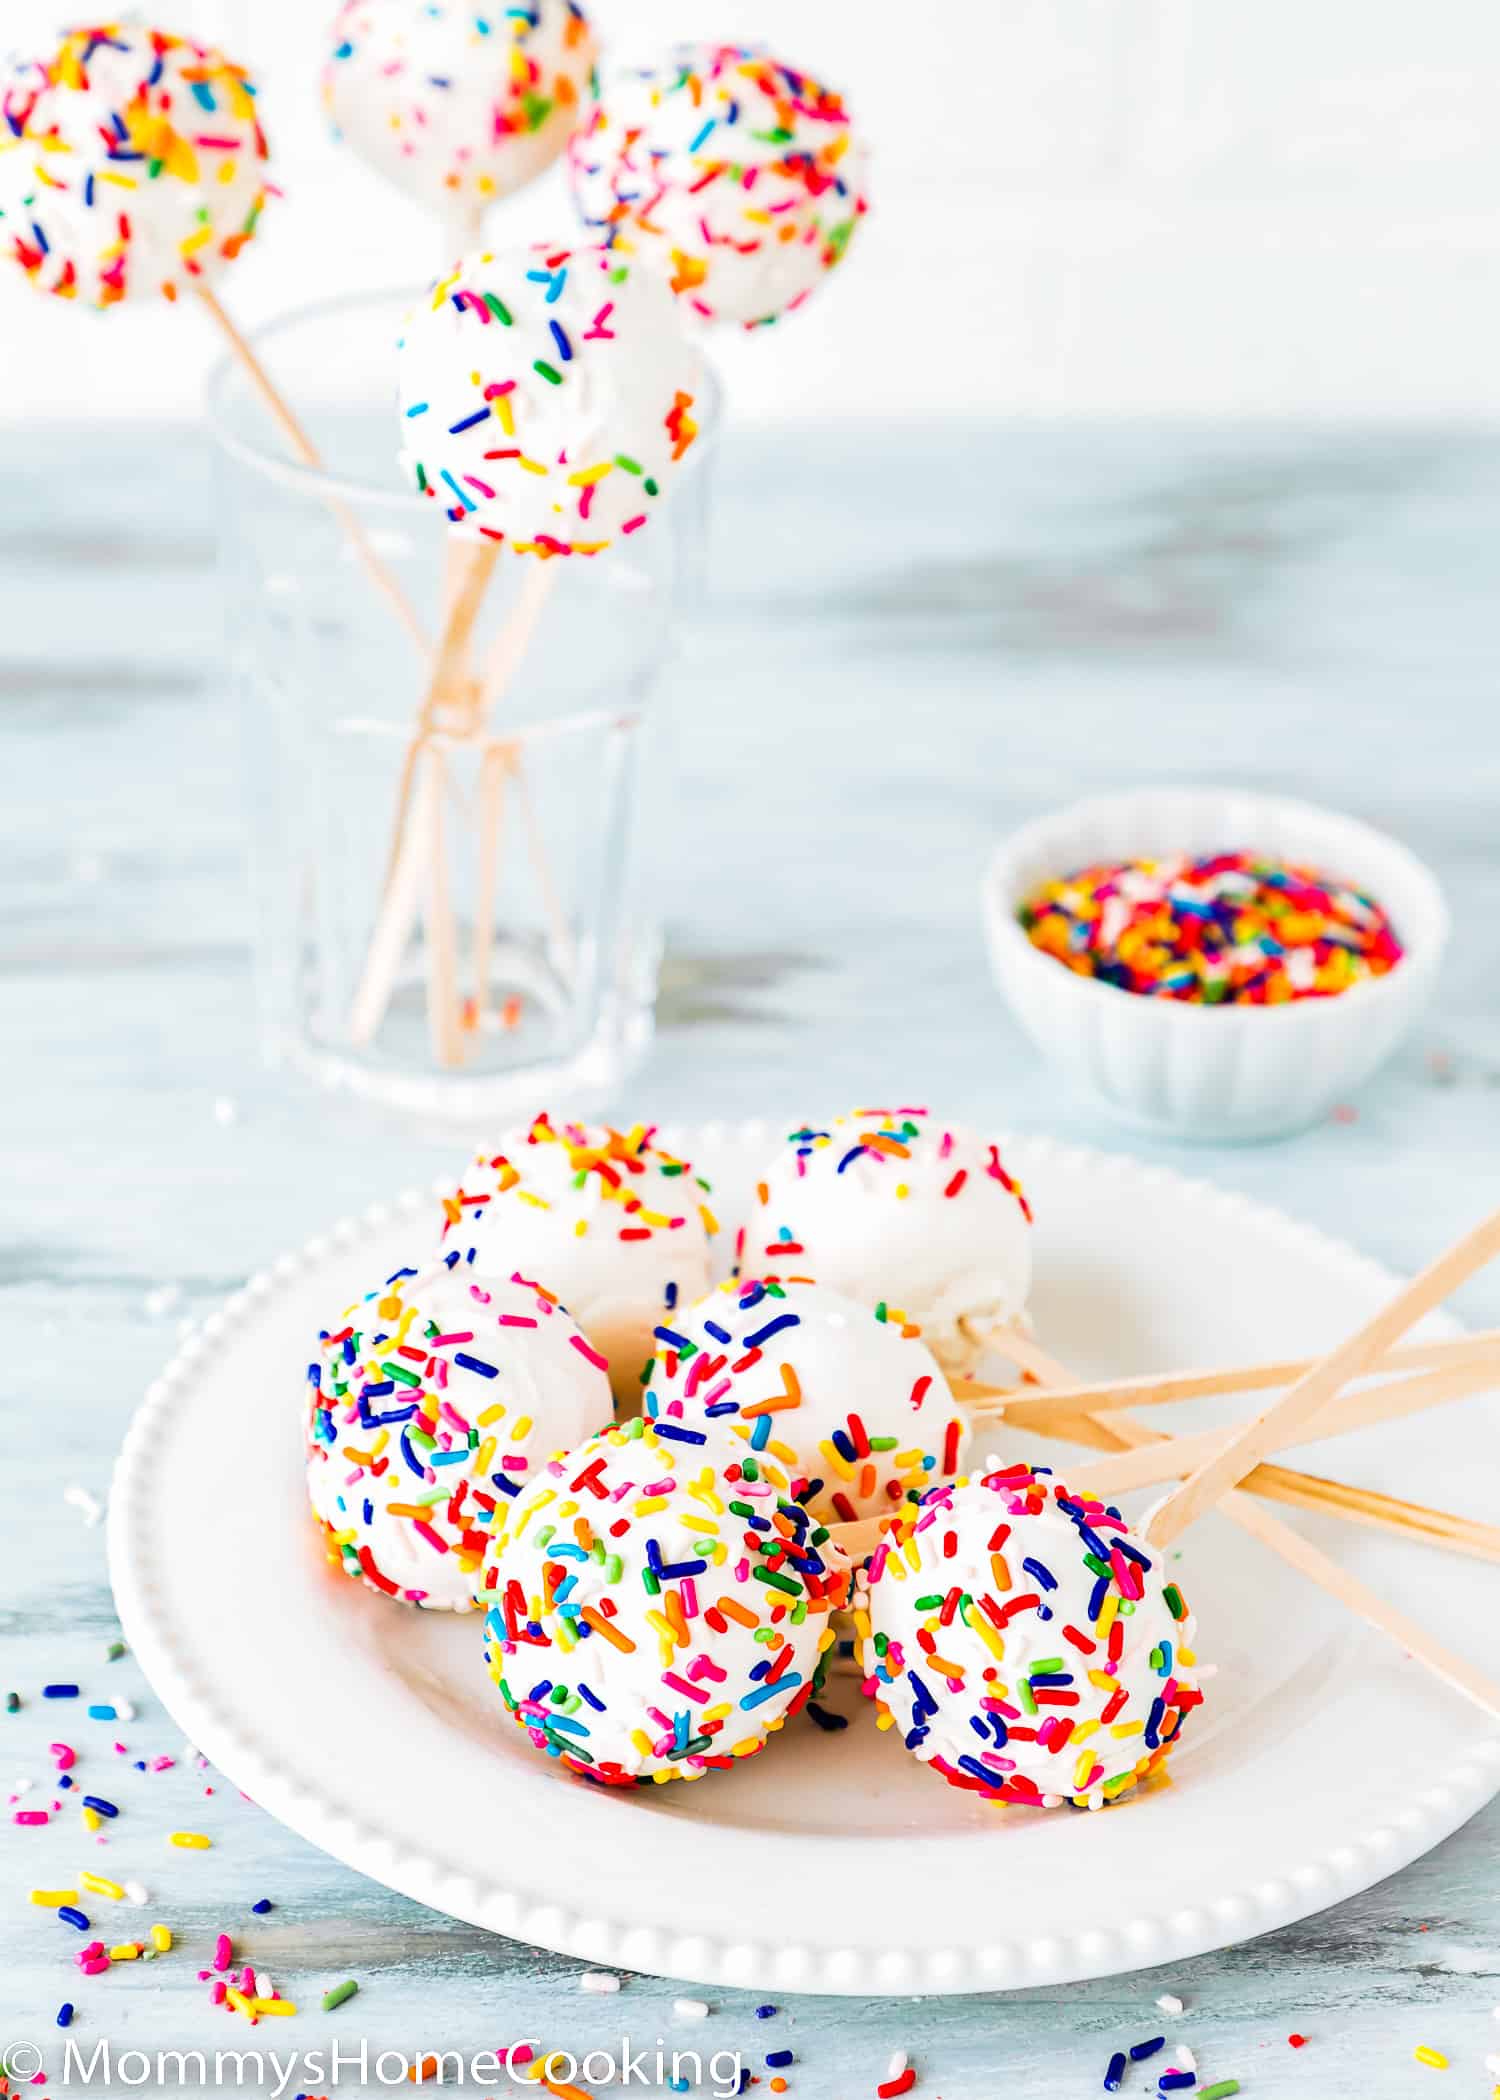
point(648, 1505)
point(836, 1459)
point(491, 1415)
point(90, 1819)
point(580, 1228)
point(240, 2003)
point(1102, 1681)
point(1128, 1728)
point(129, 1952)
point(97, 1885)
point(1082, 1769)
point(1433, 2058)
point(279, 2007)
point(526, 1195)
point(161, 1939)
point(483, 1456)
point(191, 1841)
point(522, 1427)
point(53, 1899)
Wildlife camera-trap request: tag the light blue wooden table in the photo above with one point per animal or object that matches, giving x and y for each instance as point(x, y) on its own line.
point(912, 645)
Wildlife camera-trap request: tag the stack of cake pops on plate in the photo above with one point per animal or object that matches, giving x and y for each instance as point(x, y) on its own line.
point(659, 1590)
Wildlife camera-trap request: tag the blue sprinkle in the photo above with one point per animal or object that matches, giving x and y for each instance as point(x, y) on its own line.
point(65, 2016)
point(59, 1691)
point(480, 415)
point(1114, 2077)
point(100, 1808)
point(1142, 2050)
point(73, 1917)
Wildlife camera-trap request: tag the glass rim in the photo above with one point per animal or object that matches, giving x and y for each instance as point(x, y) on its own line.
point(274, 465)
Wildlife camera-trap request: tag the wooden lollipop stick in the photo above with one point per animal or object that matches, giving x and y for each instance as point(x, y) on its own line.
point(1259, 1437)
point(1142, 1451)
point(1356, 1596)
point(1159, 1390)
point(446, 690)
point(1172, 1458)
point(443, 1022)
point(306, 451)
point(1121, 1429)
point(494, 772)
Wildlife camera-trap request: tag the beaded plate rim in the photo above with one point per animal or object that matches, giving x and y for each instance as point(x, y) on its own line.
point(258, 1765)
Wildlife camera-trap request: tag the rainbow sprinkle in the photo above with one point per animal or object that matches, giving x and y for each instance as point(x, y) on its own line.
point(1226, 929)
point(656, 1610)
point(738, 179)
point(131, 162)
point(1025, 1644)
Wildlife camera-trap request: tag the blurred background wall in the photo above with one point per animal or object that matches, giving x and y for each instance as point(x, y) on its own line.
point(1085, 207)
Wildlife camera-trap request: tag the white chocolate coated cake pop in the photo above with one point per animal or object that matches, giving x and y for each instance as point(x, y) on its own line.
point(132, 162)
point(547, 398)
point(737, 178)
point(455, 102)
point(899, 1207)
point(431, 1404)
point(1026, 1643)
point(656, 1606)
point(852, 1405)
point(618, 1227)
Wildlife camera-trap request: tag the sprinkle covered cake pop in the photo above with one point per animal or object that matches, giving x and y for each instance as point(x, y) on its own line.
point(620, 1228)
point(456, 103)
point(547, 398)
point(1026, 1643)
point(896, 1206)
point(131, 162)
point(738, 179)
point(431, 1405)
point(851, 1404)
point(656, 1607)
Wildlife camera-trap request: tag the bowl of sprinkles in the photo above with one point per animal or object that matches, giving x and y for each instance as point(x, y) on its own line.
point(1209, 963)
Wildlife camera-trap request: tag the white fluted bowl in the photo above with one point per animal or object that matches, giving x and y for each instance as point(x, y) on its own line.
point(1220, 1073)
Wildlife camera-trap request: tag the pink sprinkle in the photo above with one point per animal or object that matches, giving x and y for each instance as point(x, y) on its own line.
point(94, 1968)
point(223, 1952)
point(219, 1993)
point(516, 1320)
point(600, 1363)
point(29, 1818)
point(65, 1755)
point(425, 1530)
point(633, 524)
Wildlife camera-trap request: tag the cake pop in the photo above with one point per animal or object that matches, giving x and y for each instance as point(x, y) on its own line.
point(852, 1404)
point(897, 1206)
point(457, 104)
point(620, 1228)
point(738, 179)
point(431, 1404)
point(131, 162)
point(656, 1606)
point(547, 398)
point(1027, 1644)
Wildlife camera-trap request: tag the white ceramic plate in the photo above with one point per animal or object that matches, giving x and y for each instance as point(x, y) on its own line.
point(1322, 1761)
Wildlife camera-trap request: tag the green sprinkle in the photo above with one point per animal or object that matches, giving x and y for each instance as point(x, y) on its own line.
point(631, 466)
point(652, 1582)
point(1023, 1693)
point(1052, 1664)
point(1178, 1609)
point(400, 1373)
point(1221, 2091)
point(340, 1995)
point(114, 1651)
point(548, 372)
point(498, 309)
point(784, 1583)
point(884, 1443)
point(13, 1702)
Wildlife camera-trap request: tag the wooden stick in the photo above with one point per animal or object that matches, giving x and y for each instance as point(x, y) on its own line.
point(1174, 1457)
point(443, 1023)
point(1119, 1429)
point(495, 769)
point(1356, 1596)
point(517, 634)
point(446, 690)
point(1154, 1389)
point(306, 451)
point(1258, 1437)
point(1150, 1456)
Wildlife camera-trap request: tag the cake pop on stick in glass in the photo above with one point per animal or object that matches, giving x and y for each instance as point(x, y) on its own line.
point(455, 102)
point(902, 1208)
point(432, 1401)
point(739, 180)
point(133, 166)
point(546, 401)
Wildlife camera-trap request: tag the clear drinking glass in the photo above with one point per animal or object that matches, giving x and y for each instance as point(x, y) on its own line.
point(463, 924)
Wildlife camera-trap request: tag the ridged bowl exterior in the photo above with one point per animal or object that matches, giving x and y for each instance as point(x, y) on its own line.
point(1225, 1073)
